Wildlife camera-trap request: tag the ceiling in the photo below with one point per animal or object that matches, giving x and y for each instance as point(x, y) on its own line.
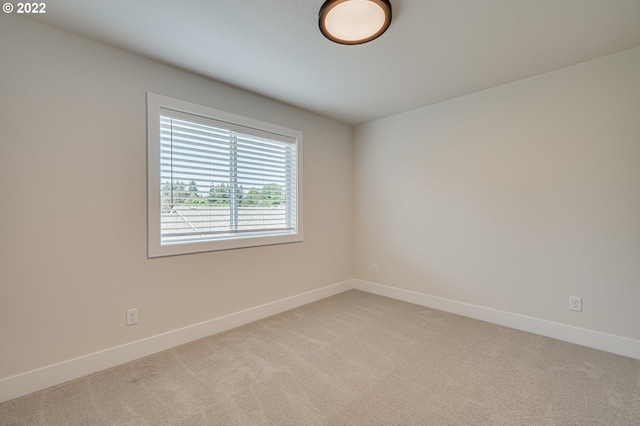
point(433, 51)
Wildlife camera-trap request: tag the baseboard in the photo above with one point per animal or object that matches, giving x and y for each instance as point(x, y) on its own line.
point(42, 378)
point(580, 336)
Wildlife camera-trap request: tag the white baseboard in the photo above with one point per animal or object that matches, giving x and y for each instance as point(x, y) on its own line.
point(581, 336)
point(42, 378)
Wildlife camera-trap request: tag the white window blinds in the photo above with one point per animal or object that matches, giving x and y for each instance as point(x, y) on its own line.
point(221, 180)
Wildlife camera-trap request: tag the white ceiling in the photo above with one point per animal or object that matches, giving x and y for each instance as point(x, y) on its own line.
point(434, 49)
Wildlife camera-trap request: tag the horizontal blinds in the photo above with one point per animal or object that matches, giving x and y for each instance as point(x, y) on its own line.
point(211, 122)
point(223, 180)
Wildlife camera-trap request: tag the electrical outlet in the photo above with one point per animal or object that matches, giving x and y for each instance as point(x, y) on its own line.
point(132, 316)
point(375, 268)
point(575, 303)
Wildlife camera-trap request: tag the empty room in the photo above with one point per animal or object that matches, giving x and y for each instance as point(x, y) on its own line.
point(341, 212)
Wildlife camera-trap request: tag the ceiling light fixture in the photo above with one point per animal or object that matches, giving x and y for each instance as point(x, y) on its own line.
point(354, 21)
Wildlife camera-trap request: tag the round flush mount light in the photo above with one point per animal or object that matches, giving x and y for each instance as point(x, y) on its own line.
point(354, 21)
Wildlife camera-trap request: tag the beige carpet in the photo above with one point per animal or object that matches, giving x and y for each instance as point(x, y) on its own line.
point(352, 359)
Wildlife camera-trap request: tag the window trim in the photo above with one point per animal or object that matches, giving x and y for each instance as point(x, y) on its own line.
point(157, 102)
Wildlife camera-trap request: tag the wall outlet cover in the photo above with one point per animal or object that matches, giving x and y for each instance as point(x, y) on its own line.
point(132, 316)
point(575, 303)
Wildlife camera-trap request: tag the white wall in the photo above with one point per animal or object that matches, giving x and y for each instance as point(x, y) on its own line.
point(73, 206)
point(513, 198)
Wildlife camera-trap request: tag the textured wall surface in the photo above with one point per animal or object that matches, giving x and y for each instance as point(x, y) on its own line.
point(74, 216)
point(513, 198)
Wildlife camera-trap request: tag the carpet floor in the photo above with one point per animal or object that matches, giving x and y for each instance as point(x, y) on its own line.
point(352, 359)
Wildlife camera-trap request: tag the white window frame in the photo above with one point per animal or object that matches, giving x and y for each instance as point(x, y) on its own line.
point(155, 103)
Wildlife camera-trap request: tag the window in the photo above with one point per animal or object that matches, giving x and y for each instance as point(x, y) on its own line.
point(219, 181)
